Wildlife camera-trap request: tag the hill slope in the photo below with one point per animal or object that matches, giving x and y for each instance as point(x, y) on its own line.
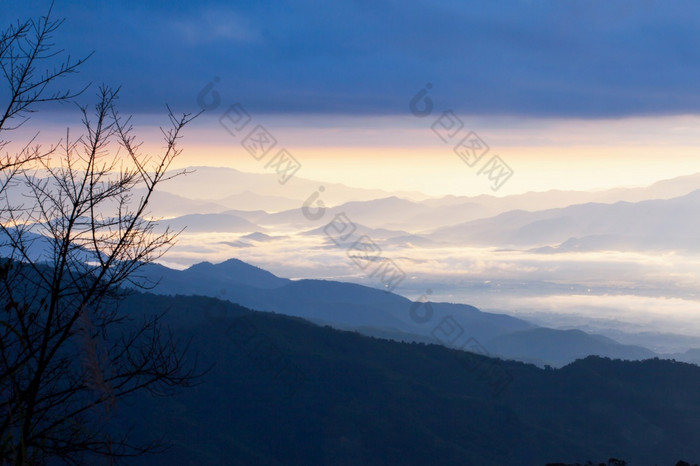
point(560, 347)
point(344, 305)
point(283, 391)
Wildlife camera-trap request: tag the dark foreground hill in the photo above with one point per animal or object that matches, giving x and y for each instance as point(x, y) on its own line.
point(285, 391)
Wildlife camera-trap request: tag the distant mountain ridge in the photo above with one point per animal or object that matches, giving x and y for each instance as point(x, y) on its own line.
point(560, 347)
point(377, 312)
point(221, 189)
point(650, 224)
point(344, 305)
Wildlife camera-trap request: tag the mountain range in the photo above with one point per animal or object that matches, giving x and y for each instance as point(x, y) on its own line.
point(280, 390)
point(384, 314)
point(660, 216)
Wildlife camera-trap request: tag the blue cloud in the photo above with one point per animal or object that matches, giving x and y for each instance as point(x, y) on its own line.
point(539, 58)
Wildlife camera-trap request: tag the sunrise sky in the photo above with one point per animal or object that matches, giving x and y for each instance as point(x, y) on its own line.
point(571, 94)
point(399, 153)
point(402, 153)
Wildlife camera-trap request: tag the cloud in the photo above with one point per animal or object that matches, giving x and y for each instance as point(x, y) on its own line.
point(215, 25)
point(662, 314)
point(542, 58)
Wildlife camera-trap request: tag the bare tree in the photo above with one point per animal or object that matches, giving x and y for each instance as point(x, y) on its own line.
point(67, 352)
point(24, 47)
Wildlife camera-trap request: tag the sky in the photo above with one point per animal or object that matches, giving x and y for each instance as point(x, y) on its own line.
point(413, 96)
point(569, 94)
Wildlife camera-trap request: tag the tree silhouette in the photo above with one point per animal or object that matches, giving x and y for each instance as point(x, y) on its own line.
point(74, 227)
